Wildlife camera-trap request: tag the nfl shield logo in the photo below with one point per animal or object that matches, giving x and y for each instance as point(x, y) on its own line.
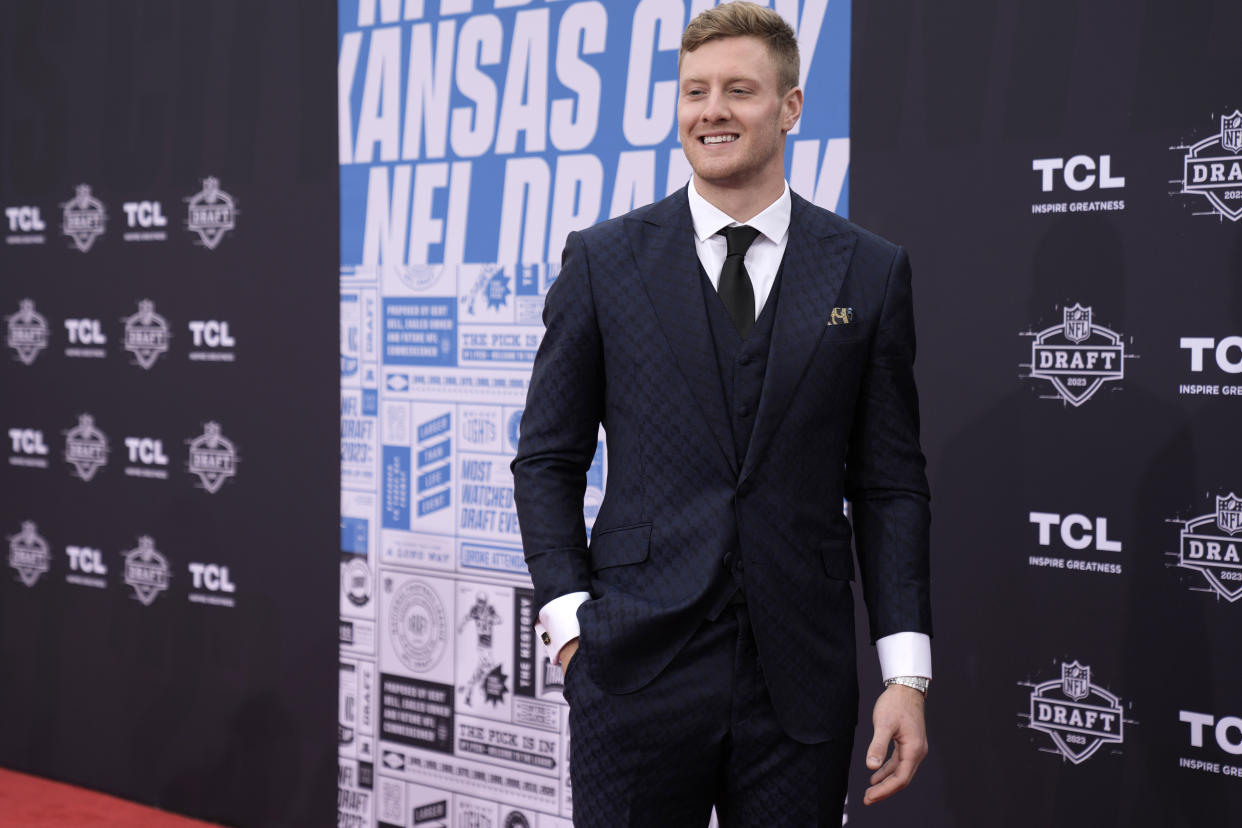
point(1231, 131)
point(28, 554)
point(1077, 323)
point(213, 457)
point(1075, 680)
point(211, 213)
point(1229, 513)
point(27, 332)
point(86, 447)
point(146, 571)
point(146, 334)
point(84, 218)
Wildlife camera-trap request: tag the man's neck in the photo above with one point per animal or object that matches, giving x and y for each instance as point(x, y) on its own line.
point(741, 203)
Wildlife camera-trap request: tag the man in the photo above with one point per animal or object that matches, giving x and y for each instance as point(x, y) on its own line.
point(746, 382)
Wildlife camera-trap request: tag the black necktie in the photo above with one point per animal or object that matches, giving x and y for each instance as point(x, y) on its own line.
point(735, 289)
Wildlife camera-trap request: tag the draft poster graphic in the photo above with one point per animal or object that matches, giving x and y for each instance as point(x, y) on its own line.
point(473, 137)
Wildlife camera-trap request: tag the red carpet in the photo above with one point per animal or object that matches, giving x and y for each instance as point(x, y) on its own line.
point(31, 802)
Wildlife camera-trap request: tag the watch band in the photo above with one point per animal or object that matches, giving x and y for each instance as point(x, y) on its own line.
point(917, 682)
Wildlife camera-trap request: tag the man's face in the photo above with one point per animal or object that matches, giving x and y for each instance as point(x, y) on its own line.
point(731, 115)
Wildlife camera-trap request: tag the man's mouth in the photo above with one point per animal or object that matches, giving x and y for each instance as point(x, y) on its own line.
point(718, 139)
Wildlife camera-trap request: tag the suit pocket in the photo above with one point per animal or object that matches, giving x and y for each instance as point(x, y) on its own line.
point(620, 547)
point(838, 559)
point(566, 691)
point(843, 334)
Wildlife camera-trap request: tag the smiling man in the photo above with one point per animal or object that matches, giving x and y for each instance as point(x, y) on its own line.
point(750, 357)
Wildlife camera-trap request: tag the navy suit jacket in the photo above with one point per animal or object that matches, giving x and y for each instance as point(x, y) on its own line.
point(628, 345)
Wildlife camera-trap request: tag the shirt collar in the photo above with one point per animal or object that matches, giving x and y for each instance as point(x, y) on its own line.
point(708, 219)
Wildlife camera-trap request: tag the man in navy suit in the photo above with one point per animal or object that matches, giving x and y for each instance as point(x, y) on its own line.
point(750, 357)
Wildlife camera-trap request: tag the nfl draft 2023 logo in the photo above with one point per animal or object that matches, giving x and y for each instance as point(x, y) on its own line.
point(210, 213)
point(1077, 356)
point(1212, 169)
point(146, 570)
point(1078, 716)
point(213, 458)
point(146, 334)
point(28, 332)
point(28, 554)
point(86, 448)
point(84, 218)
point(1211, 545)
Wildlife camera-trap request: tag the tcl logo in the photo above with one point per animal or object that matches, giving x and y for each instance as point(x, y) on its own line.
point(87, 560)
point(1227, 352)
point(1078, 173)
point(1227, 730)
point(211, 577)
point(27, 441)
point(85, 332)
point(24, 219)
point(211, 333)
point(1076, 531)
point(144, 214)
point(146, 450)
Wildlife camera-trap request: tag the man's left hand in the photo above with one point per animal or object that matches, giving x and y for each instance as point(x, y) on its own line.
point(898, 717)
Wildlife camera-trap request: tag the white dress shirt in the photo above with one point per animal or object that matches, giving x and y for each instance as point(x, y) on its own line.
point(901, 654)
point(763, 257)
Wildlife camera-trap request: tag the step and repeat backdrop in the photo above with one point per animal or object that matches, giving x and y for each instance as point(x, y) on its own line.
point(167, 299)
point(473, 137)
point(1068, 179)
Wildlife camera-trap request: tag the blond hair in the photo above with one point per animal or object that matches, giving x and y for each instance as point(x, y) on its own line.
point(744, 19)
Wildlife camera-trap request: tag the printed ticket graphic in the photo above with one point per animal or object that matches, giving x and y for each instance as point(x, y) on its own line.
point(461, 706)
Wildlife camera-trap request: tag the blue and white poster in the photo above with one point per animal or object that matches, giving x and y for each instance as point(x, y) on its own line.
point(473, 138)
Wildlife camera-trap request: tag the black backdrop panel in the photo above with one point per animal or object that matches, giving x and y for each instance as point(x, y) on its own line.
point(1033, 158)
point(167, 617)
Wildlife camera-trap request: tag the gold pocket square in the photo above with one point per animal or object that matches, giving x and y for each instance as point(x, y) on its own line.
point(841, 316)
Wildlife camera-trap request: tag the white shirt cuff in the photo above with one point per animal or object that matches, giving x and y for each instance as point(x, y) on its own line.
point(558, 622)
point(903, 654)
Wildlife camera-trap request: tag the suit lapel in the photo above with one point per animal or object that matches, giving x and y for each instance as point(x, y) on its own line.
point(816, 259)
point(663, 244)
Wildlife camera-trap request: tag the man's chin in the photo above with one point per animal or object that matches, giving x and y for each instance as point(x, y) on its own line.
point(728, 176)
point(709, 165)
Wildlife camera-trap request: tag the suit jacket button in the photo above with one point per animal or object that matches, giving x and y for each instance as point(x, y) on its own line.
point(743, 411)
point(744, 360)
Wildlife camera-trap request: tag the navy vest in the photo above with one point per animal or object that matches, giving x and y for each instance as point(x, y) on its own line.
point(742, 364)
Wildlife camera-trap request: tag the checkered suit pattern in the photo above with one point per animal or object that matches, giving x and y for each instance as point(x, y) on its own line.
point(628, 345)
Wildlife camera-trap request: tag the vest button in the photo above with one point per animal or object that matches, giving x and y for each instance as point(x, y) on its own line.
point(743, 360)
point(743, 410)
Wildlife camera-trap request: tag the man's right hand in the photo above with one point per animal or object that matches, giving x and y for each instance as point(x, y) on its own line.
point(567, 653)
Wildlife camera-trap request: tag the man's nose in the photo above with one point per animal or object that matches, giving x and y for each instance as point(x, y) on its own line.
point(717, 108)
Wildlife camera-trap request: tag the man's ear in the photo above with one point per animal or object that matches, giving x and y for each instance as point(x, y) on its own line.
point(791, 109)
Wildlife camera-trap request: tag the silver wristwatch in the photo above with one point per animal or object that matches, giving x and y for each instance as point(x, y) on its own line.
point(917, 682)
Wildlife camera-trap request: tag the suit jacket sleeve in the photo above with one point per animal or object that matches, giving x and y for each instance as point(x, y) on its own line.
point(885, 478)
point(559, 432)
